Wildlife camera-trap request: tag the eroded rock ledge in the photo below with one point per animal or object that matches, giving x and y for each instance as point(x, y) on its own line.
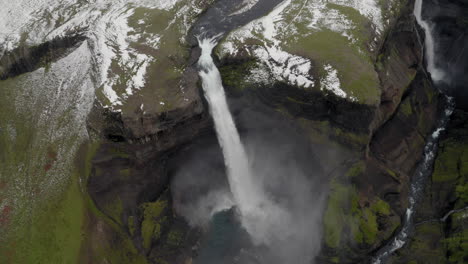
point(129, 180)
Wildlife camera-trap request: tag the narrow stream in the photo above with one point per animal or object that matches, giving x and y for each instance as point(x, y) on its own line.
point(424, 169)
point(423, 172)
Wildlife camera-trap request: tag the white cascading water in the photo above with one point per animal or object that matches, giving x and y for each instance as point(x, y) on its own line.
point(259, 216)
point(436, 74)
point(235, 158)
point(424, 169)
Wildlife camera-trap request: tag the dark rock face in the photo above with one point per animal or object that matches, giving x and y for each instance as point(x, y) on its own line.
point(371, 194)
point(442, 222)
point(27, 59)
point(450, 21)
point(129, 177)
point(130, 174)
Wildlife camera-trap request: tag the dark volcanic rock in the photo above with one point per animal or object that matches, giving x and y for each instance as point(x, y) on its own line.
point(442, 224)
point(130, 174)
point(450, 30)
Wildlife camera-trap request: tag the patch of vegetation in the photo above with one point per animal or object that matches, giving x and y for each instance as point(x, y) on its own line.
point(333, 218)
point(350, 138)
point(153, 221)
point(406, 108)
point(54, 233)
point(392, 174)
point(447, 162)
point(234, 75)
point(356, 170)
point(344, 212)
point(457, 246)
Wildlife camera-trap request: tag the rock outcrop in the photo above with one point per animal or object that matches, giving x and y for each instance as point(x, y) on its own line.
point(441, 233)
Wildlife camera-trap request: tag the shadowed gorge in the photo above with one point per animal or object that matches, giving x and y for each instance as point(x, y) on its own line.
point(233, 132)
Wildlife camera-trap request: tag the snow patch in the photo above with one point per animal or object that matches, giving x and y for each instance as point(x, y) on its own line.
point(282, 65)
point(331, 82)
point(245, 6)
point(110, 37)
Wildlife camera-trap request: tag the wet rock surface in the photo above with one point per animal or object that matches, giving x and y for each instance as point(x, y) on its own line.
point(441, 220)
point(450, 27)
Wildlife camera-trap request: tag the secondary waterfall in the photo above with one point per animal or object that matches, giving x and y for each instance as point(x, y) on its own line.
point(436, 73)
point(259, 216)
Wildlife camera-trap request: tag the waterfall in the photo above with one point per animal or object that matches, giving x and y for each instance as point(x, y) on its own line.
point(424, 169)
point(235, 158)
point(258, 214)
point(436, 74)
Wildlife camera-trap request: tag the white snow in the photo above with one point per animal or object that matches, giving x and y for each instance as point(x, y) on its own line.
point(367, 8)
point(280, 27)
point(282, 65)
point(110, 38)
point(245, 6)
point(331, 82)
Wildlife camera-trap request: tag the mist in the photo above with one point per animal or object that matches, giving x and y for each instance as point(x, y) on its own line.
point(286, 170)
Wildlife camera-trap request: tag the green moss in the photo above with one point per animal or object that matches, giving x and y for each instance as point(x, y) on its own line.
point(368, 226)
point(447, 162)
point(381, 207)
point(334, 217)
point(462, 193)
point(234, 74)
point(344, 213)
point(392, 174)
point(350, 138)
point(114, 208)
point(153, 221)
point(406, 108)
point(175, 238)
point(368, 220)
point(457, 246)
point(425, 246)
point(54, 234)
point(131, 225)
point(356, 170)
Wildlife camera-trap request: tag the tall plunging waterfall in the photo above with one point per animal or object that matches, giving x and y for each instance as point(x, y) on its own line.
point(259, 215)
point(436, 73)
point(238, 171)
